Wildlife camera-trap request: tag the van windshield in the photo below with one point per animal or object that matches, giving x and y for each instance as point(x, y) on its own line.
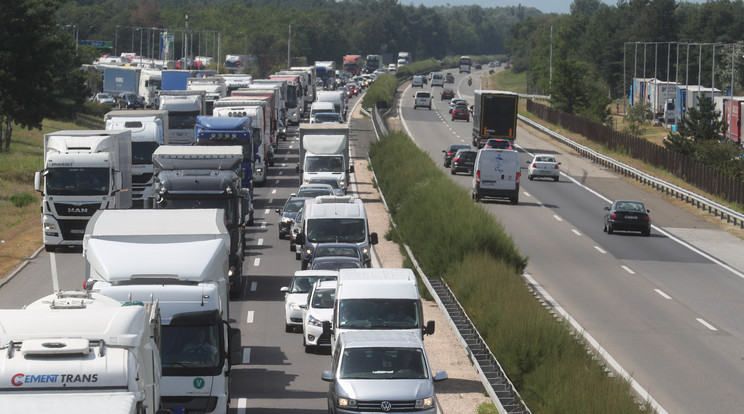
point(383, 363)
point(378, 314)
point(336, 230)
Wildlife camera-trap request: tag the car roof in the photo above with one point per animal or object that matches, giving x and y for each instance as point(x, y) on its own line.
point(380, 339)
point(463, 146)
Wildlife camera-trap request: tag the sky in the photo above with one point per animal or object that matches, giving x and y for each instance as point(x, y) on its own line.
point(545, 6)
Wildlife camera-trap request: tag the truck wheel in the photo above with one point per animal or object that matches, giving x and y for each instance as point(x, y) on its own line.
point(298, 256)
point(50, 248)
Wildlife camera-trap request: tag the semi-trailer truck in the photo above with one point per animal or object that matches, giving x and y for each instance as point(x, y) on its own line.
point(494, 116)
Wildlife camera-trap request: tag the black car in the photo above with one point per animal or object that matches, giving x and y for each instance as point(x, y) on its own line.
point(627, 215)
point(288, 213)
point(129, 100)
point(464, 161)
point(449, 78)
point(450, 152)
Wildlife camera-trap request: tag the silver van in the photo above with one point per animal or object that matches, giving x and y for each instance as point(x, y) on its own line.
point(496, 174)
point(381, 371)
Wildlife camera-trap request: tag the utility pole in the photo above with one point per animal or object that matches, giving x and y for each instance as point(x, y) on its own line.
point(289, 42)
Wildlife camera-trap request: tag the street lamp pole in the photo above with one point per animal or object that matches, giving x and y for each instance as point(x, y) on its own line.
point(116, 40)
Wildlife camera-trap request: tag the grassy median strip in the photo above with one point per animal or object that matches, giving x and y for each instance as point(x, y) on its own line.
point(458, 240)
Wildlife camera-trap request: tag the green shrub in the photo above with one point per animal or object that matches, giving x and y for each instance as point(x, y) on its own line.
point(22, 199)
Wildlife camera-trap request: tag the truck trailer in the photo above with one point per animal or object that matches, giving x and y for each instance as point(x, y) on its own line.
point(494, 116)
point(149, 130)
point(81, 352)
point(179, 258)
point(324, 153)
point(143, 82)
point(84, 171)
point(214, 88)
point(206, 177)
point(183, 107)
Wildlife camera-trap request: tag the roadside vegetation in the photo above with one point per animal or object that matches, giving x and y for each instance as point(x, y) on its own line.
point(470, 250)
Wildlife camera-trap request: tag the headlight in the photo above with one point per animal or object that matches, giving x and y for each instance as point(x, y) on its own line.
point(286, 220)
point(365, 251)
point(313, 321)
point(309, 252)
point(49, 226)
point(425, 403)
point(295, 307)
point(348, 402)
point(342, 183)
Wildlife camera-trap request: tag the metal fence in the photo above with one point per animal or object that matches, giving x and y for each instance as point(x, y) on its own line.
point(682, 166)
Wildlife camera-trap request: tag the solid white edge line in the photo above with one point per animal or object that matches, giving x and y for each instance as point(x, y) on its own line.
point(596, 346)
point(662, 294)
point(706, 324)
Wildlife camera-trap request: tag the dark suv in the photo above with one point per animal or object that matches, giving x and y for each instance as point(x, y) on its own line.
point(129, 100)
point(450, 152)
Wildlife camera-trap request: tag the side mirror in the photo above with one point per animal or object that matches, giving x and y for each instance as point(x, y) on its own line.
point(284, 289)
point(234, 349)
point(606, 209)
point(37, 181)
point(278, 210)
point(440, 376)
point(429, 329)
point(373, 238)
point(327, 376)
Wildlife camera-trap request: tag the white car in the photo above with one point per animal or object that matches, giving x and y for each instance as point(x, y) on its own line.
point(318, 309)
point(295, 295)
point(392, 67)
point(544, 165)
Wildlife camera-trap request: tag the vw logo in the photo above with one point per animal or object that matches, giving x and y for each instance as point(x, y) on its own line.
point(386, 406)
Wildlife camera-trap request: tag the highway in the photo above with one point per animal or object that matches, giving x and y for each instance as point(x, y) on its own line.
point(668, 313)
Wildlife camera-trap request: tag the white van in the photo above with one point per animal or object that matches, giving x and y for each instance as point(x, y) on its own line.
point(337, 98)
point(334, 219)
point(437, 79)
point(378, 371)
point(496, 174)
point(375, 299)
point(417, 81)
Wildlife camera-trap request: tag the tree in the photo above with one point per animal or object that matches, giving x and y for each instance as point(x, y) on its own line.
point(638, 118)
point(698, 131)
point(39, 70)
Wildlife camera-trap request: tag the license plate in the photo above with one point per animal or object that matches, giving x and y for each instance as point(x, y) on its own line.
point(631, 217)
point(77, 231)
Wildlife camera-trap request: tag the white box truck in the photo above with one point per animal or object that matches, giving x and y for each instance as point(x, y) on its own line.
point(337, 98)
point(80, 352)
point(214, 87)
point(179, 258)
point(183, 107)
point(379, 298)
point(149, 131)
point(84, 171)
point(324, 153)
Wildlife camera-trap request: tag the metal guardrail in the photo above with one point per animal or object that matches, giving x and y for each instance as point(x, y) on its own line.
point(709, 206)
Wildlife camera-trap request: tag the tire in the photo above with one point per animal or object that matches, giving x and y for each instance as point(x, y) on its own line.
point(50, 248)
point(646, 233)
point(609, 229)
point(529, 177)
point(288, 328)
point(555, 179)
point(304, 265)
point(291, 247)
point(514, 200)
point(430, 107)
point(452, 172)
point(298, 256)
point(604, 227)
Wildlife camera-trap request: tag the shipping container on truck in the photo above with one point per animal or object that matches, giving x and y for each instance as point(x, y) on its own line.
point(494, 116)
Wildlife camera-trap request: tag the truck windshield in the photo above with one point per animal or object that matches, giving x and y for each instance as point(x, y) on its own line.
point(77, 181)
point(315, 164)
point(142, 152)
point(378, 314)
point(336, 230)
point(291, 96)
point(182, 120)
point(383, 363)
point(185, 348)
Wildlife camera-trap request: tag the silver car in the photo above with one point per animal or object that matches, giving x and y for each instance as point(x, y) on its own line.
point(380, 371)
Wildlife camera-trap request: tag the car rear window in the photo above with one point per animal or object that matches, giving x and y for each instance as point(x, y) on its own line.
point(423, 95)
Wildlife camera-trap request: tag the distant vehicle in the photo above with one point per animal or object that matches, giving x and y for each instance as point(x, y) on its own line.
point(104, 98)
point(318, 309)
point(326, 118)
point(437, 79)
point(337, 190)
point(323, 250)
point(449, 78)
point(461, 112)
point(477, 66)
point(498, 143)
point(447, 94)
point(456, 101)
point(336, 263)
point(417, 81)
point(422, 99)
point(288, 213)
point(296, 293)
point(543, 165)
point(465, 63)
point(392, 67)
point(130, 100)
point(627, 215)
point(314, 190)
point(463, 161)
point(380, 71)
point(450, 152)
